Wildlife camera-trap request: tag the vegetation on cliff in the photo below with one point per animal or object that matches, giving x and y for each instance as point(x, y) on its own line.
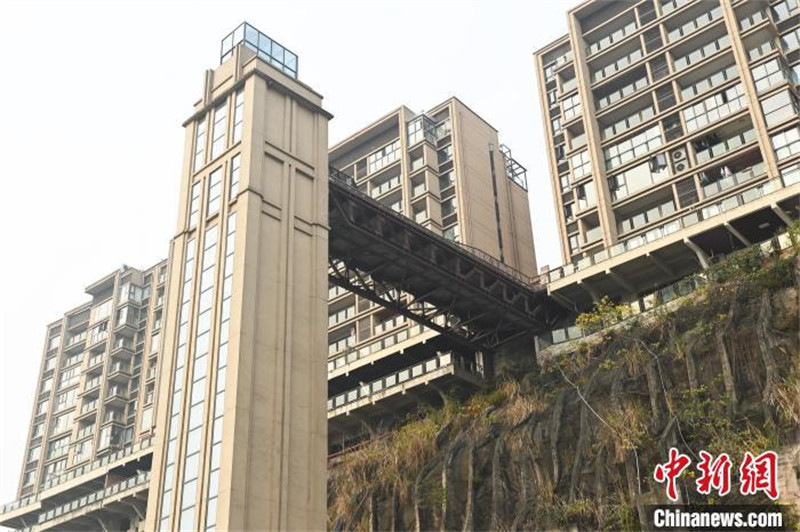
point(574, 441)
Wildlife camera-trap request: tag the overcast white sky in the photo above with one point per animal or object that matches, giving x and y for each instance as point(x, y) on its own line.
point(93, 95)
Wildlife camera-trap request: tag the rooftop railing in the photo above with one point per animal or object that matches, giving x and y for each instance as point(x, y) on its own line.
point(267, 49)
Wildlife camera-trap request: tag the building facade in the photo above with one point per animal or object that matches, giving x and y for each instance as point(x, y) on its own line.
point(241, 443)
point(93, 415)
point(672, 135)
point(446, 170)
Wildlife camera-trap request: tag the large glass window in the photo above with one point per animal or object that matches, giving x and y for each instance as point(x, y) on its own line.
point(786, 143)
point(238, 115)
point(786, 9)
point(647, 216)
point(194, 204)
point(383, 157)
point(715, 107)
point(219, 135)
point(222, 364)
point(639, 177)
point(571, 107)
point(233, 187)
point(177, 385)
point(585, 196)
point(200, 144)
point(700, 53)
point(580, 163)
point(769, 74)
point(790, 41)
point(214, 191)
point(779, 107)
point(633, 147)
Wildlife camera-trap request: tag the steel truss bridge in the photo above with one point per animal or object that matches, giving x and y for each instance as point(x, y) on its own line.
point(460, 292)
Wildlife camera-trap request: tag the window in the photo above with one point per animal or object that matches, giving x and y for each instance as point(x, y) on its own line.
point(647, 216)
point(715, 107)
point(586, 196)
point(214, 191)
point(101, 311)
point(200, 144)
point(790, 41)
point(698, 54)
point(194, 204)
point(34, 453)
point(784, 10)
point(779, 107)
point(709, 82)
point(220, 131)
point(69, 377)
point(238, 116)
point(571, 107)
point(55, 341)
point(769, 74)
point(633, 147)
point(446, 181)
point(580, 165)
point(574, 245)
point(556, 125)
point(58, 447)
point(445, 154)
point(786, 143)
point(66, 399)
point(448, 207)
point(628, 122)
point(62, 423)
point(383, 157)
point(233, 187)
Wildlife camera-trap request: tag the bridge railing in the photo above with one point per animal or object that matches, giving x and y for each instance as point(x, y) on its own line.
point(338, 175)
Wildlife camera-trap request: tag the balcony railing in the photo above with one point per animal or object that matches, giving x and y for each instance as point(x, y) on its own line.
point(342, 315)
point(96, 497)
point(732, 180)
point(693, 25)
point(650, 301)
point(397, 379)
point(354, 354)
point(673, 226)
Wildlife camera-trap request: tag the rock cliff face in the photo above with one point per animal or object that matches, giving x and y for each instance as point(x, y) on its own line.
point(570, 441)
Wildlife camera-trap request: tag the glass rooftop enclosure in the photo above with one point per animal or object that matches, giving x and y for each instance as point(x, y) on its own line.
point(267, 49)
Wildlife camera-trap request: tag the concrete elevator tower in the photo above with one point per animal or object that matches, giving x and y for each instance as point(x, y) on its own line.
point(243, 392)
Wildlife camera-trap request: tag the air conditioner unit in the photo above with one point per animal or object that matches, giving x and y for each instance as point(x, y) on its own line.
point(678, 154)
point(680, 162)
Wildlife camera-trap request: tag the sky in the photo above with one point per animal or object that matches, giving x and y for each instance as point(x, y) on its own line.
point(94, 93)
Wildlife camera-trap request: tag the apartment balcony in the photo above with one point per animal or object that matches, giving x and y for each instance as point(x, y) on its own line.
point(91, 388)
point(127, 326)
point(751, 211)
point(75, 342)
point(119, 372)
point(123, 348)
point(393, 393)
point(87, 411)
point(85, 432)
point(94, 362)
point(116, 396)
point(87, 512)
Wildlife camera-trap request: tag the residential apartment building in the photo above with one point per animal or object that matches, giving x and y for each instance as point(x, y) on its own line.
point(446, 170)
point(672, 135)
point(93, 413)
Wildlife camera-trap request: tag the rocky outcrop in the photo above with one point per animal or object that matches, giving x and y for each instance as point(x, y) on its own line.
point(571, 443)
